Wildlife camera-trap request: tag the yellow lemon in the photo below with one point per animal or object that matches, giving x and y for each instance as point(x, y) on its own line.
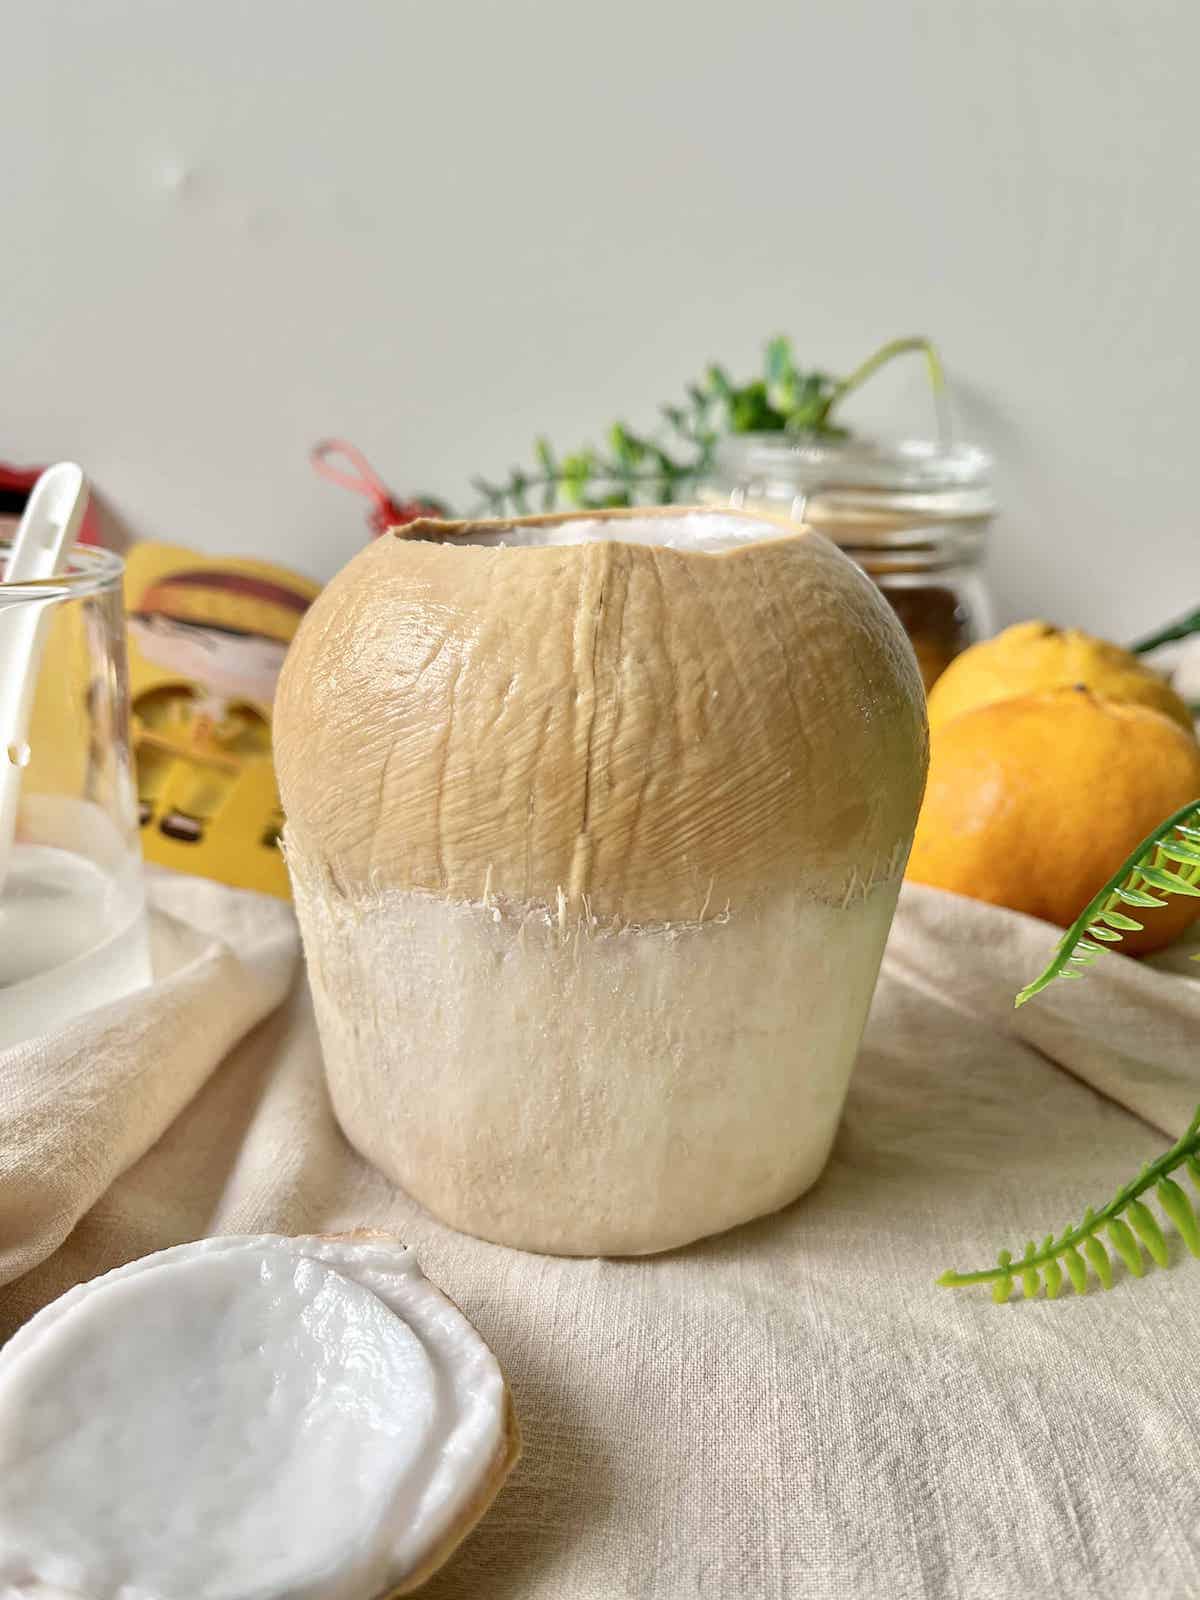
point(1035, 802)
point(1034, 656)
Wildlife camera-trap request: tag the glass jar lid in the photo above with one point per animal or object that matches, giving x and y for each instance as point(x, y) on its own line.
point(927, 499)
point(813, 464)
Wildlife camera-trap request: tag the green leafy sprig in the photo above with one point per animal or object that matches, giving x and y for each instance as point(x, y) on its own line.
point(1166, 862)
point(635, 468)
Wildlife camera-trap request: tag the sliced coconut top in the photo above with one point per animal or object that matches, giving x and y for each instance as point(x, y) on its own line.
point(242, 1419)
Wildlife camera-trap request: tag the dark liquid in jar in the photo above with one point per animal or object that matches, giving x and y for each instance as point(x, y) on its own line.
point(933, 612)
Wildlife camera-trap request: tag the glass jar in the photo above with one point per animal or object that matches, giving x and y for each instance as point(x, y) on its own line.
point(913, 514)
point(73, 930)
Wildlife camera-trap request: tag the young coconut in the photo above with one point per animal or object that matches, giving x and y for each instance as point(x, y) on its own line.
point(246, 1417)
point(596, 825)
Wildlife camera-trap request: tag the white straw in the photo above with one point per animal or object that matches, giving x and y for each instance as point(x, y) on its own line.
point(47, 531)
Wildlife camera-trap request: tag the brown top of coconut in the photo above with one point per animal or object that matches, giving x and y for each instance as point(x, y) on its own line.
point(648, 716)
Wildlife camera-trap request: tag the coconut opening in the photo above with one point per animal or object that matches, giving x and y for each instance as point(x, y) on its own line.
point(702, 532)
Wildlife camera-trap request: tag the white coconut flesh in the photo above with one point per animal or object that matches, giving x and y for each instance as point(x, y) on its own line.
point(243, 1419)
point(699, 532)
point(596, 826)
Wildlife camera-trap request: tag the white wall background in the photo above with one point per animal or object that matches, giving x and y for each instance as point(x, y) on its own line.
point(442, 227)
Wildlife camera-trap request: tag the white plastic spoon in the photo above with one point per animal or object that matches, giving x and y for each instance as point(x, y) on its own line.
point(46, 533)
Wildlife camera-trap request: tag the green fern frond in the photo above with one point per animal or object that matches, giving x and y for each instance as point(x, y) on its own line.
point(1167, 860)
point(1126, 1220)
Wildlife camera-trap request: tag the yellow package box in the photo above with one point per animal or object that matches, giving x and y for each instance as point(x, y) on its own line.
point(207, 637)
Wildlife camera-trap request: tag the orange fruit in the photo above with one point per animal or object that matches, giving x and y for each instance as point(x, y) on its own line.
point(1034, 802)
point(1034, 655)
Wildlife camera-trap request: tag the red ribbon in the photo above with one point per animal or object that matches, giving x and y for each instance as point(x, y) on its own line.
point(386, 511)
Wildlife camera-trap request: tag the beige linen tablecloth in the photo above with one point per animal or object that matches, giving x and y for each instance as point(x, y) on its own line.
point(792, 1410)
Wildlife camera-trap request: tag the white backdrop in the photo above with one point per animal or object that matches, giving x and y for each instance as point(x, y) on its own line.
point(441, 228)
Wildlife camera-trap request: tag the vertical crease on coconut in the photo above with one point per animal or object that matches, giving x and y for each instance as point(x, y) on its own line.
point(581, 862)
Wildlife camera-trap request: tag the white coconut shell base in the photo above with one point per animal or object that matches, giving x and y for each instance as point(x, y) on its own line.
point(577, 1089)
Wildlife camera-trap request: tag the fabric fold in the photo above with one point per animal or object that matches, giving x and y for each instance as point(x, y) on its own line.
point(78, 1107)
point(1129, 1029)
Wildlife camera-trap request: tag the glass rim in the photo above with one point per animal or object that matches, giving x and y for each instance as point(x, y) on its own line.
point(91, 569)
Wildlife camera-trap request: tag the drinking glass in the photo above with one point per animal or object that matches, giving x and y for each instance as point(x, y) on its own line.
point(73, 927)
